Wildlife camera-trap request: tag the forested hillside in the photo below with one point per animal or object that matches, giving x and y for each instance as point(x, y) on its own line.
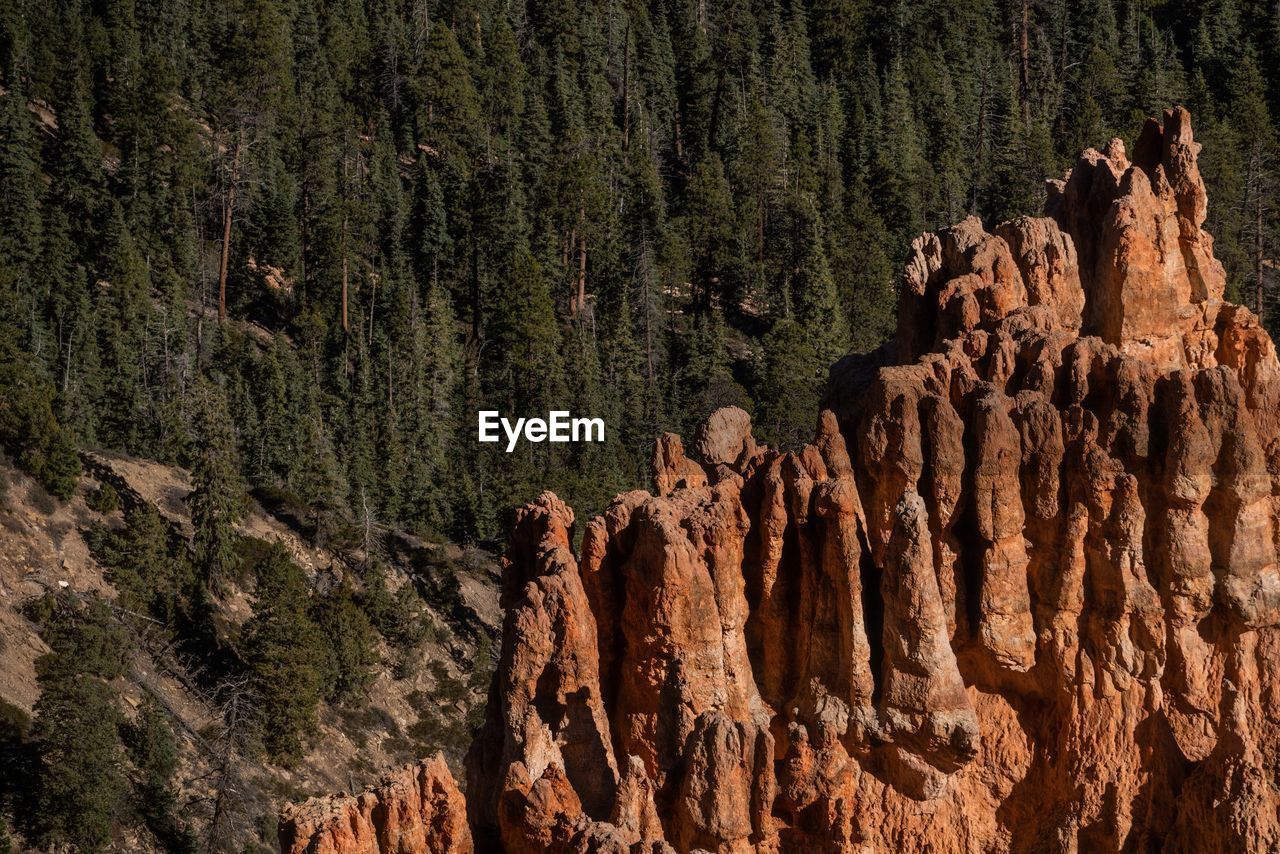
point(312, 239)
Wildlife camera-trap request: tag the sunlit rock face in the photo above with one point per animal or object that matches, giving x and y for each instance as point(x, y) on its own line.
point(1019, 594)
point(413, 809)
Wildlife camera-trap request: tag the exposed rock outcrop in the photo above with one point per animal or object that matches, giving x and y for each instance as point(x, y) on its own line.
point(413, 810)
point(1020, 593)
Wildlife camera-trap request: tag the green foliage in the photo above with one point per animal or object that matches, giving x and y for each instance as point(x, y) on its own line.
point(788, 366)
point(397, 616)
point(713, 236)
point(317, 478)
point(81, 784)
point(151, 572)
point(123, 308)
point(29, 429)
point(153, 752)
point(349, 655)
point(20, 763)
point(716, 179)
point(104, 499)
point(218, 499)
point(707, 381)
point(20, 223)
point(284, 654)
point(731, 186)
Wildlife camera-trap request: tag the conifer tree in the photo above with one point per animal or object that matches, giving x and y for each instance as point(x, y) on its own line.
point(217, 500)
point(20, 225)
point(524, 337)
point(706, 381)
point(636, 209)
point(452, 105)
point(29, 429)
point(81, 783)
point(123, 310)
point(282, 651)
point(317, 478)
point(712, 236)
point(78, 182)
point(432, 406)
point(153, 752)
point(277, 438)
point(349, 655)
point(1261, 154)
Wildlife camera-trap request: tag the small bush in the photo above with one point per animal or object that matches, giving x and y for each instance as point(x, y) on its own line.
point(104, 499)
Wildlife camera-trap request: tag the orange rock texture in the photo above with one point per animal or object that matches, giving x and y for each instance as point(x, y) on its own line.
point(1019, 594)
point(415, 809)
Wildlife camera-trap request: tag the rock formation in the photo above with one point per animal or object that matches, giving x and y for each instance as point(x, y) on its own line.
point(415, 809)
point(1019, 594)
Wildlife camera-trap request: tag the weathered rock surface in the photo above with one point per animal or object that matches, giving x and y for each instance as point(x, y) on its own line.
point(414, 809)
point(1019, 594)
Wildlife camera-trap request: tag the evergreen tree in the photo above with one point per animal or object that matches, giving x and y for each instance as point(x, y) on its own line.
point(123, 309)
point(29, 429)
point(416, 210)
point(217, 499)
point(452, 105)
point(1261, 154)
point(712, 237)
point(317, 479)
point(153, 752)
point(706, 381)
point(81, 784)
point(142, 565)
point(283, 650)
point(349, 652)
point(20, 225)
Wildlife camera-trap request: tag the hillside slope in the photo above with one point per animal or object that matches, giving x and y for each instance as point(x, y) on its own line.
point(418, 700)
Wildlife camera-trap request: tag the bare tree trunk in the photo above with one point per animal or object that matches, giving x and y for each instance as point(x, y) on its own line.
point(1024, 57)
point(228, 211)
point(626, 86)
point(760, 207)
point(475, 299)
point(228, 801)
point(1258, 253)
point(345, 270)
point(344, 284)
point(676, 127)
point(582, 273)
point(1064, 14)
point(648, 341)
point(716, 100)
point(977, 142)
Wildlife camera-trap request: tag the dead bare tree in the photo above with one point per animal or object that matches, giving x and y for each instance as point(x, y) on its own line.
point(229, 790)
point(228, 212)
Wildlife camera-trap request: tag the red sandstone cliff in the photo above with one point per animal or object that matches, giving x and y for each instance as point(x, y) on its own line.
point(1020, 593)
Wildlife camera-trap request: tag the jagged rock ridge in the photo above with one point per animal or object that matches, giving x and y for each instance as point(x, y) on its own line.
point(416, 808)
point(1020, 593)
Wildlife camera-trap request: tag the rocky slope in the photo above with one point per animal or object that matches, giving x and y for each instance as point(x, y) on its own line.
point(415, 701)
point(1020, 593)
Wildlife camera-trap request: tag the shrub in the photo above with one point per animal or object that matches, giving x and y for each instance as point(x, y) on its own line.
point(104, 499)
